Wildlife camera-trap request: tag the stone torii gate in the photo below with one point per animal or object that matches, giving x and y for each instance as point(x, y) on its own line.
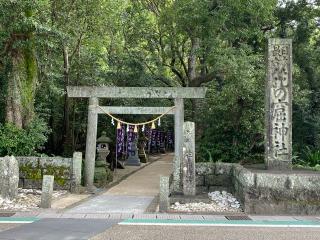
point(94, 93)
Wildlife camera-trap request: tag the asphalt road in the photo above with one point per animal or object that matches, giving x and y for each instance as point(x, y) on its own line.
point(120, 232)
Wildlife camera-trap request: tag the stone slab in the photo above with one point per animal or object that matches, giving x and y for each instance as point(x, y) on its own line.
point(136, 92)
point(113, 204)
point(47, 190)
point(134, 110)
point(97, 215)
point(164, 194)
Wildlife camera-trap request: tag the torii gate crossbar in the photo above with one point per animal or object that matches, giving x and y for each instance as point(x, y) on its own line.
point(94, 93)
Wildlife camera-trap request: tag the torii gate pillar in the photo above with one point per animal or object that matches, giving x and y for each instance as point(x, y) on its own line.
point(91, 142)
point(178, 143)
point(93, 93)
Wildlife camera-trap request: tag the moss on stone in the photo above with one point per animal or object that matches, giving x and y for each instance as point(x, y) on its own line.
point(102, 176)
point(59, 172)
point(30, 172)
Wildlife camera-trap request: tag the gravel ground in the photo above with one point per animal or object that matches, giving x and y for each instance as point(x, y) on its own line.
point(220, 202)
point(27, 199)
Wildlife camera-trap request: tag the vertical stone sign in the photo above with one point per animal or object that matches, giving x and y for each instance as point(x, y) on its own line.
point(188, 167)
point(178, 143)
point(164, 194)
point(47, 189)
point(279, 105)
point(76, 171)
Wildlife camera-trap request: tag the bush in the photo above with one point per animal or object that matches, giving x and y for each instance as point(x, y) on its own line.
point(310, 157)
point(23, 142)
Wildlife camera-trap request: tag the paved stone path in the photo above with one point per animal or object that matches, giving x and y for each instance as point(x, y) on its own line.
point(132, 195)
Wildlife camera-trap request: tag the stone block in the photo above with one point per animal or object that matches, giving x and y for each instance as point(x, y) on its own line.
point(32, 183)
point(223, 168)
point(32, 162)
point(26, 171)
point(58, 171)
point(44, 162)
point(9, 177)
point(199, 180)
point(220, 188)
point(217, 180)
point(205, 168)
point(244, 176)
point(164, 194)
point(201, 189)
point(47, 190)
point(76, 171)
point(274, 181)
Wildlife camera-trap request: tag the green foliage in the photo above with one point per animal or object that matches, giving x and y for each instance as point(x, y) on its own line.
point(23, 142)
point(212, 43)
point(310, 157)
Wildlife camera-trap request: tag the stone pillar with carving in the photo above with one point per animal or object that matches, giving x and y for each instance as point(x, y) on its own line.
point(188, 161)
point(278, 134)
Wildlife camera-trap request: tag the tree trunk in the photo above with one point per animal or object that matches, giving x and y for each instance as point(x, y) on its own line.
point(67, 133)
point(13, 99)
point(21, 87)
point(22, 80)
point(192, 60)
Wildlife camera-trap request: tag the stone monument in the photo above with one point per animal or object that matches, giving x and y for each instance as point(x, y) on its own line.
point(76, 171)
point(188, 164)
point(9, 177)
point(164, 201)
point(279, 105)
point(47, 190)
point(133, 155)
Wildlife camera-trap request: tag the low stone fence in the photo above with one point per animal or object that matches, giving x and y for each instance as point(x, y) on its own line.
point(213, 176)
point(261, 191)
point(66, 171)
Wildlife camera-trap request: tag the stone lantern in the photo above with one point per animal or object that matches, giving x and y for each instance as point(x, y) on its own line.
point(103, 147)
point(102, 175)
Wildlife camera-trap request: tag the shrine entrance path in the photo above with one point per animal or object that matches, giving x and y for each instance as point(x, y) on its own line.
point(132, 195)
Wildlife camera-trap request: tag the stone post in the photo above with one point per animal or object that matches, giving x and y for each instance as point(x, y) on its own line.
point(178, 142)
point(164, 194)
point(76, 171)
point(47, 189)
point(188, 161)
point(9, 177)
point(279, 105)
point(91, 142)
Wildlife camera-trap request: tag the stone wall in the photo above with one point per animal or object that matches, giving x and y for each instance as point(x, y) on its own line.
point(262, 191)
point(32, 169)
point(213, 177)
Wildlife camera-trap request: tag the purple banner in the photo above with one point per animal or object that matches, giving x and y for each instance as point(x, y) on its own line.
point(120, 140)
point(154, 134)
point(170, 137)
point(162, 137)
point(131, 137)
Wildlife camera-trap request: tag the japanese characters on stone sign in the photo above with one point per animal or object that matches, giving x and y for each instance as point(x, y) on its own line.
point(279, 102)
